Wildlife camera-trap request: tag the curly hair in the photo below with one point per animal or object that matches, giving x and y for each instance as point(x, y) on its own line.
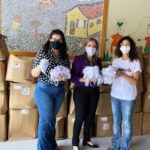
point(133, 51)
point(63, 50)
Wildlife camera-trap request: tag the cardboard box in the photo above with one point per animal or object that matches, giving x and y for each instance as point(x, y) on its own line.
point(138, 103)
point(3, 102)
point(146, 101)
point(146, 81)
point(72, 106)
point(140, 83)
point(146, 124)
point(137, 124)
point(104, 126)
point(63, 109)
point(22, 96)
point(146, 61)
point(104, 105)
point(2, 76)
point(3, 48)
point(60, 128)
point(19, 69)
point(140, 55)
point(105, 88)
point(70, 124)
point(3, 127)
point(23, 124)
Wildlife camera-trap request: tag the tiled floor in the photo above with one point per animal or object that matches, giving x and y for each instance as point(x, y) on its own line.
point(138, 143)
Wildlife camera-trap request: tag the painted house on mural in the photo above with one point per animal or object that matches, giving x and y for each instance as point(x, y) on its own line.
point(84, 20)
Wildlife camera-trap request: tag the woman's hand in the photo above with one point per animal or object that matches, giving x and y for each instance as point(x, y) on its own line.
point(35, 72)
point(131, 79)
point(61, 77)
point(119, 74)
point(93, 80)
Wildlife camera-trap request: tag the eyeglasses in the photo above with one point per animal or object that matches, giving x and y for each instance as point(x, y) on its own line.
point(122, 44)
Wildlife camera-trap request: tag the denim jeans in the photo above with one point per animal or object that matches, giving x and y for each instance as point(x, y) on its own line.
point(48, 99)
point(122, 114)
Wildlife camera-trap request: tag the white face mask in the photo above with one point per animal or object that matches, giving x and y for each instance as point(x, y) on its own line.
point(91, 51)
point(125, 49)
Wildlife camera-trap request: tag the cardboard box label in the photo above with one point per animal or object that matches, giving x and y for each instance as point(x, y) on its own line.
point(103, 118)
point(15, 65)
point(25, 91)
point(106, 126)
point(73, 119)
point(25, 111)
point(17, 87)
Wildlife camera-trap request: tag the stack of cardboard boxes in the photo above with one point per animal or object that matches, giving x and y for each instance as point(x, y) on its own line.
point(23, 114)
point(104, 120)
point(62, 115)
point(146, 95)
point(3, 89)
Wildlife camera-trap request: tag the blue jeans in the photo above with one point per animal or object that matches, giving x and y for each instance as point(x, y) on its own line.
point(48, 99)
point(122, 113)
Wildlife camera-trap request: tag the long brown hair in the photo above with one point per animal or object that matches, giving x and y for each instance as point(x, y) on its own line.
point(94, 57)
point(63, 50)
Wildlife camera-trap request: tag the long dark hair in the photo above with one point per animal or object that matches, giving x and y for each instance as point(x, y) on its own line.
point(94, 57)
point(133, 51)
point(63, 50)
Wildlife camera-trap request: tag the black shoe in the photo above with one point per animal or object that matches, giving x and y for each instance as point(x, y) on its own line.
point(93, 145)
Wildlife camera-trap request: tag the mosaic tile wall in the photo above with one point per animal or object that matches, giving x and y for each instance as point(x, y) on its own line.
point(27, 23)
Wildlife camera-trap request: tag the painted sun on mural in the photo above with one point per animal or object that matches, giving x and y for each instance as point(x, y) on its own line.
point(27, 27)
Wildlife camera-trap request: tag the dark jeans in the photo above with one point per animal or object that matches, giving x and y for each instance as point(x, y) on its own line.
point(48, 99)
point(86, 100)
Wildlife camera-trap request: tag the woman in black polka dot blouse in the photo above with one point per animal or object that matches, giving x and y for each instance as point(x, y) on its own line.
point(49, 94)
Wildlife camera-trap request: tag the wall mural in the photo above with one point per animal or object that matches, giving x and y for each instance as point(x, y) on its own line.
point(27, 23)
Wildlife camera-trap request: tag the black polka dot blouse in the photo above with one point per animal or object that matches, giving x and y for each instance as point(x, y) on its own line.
point(53, 62)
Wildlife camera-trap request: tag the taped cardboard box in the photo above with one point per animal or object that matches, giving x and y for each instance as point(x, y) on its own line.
point(2, 76)
point(60, 128)
point(146, 61)
point(104, 105)
point(3, 102)
point(3, 127)
point(146, 124)
point(146, 101)
point(137, 124)
point(22, 96)
point(23, 124)
point(19, 69)
point(138, 103)
point(70, 124)
point(104, 126)
point(3, 48)
point(146, 81)
point(63, 109)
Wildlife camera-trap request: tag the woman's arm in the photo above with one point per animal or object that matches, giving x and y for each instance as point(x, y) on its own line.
point(35, 72)
point(131, 79)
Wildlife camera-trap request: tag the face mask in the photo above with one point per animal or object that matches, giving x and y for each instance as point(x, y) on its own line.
point(125, 49)
point(91, 51)
point(56, 45)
